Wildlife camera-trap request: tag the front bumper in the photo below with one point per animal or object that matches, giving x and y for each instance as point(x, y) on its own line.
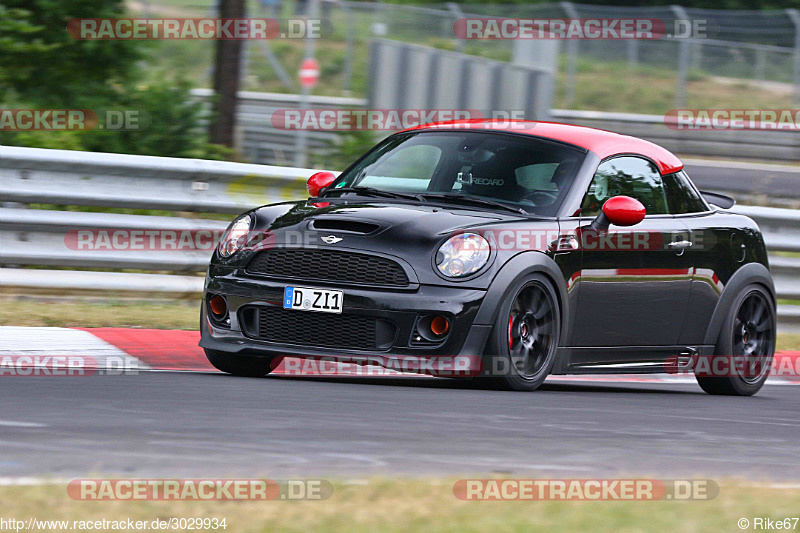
point(398, 308)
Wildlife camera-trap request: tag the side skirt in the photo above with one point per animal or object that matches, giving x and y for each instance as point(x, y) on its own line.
point(626, 359)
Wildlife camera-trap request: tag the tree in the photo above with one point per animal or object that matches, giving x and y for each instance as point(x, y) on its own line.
point(226, 78)
point(43, 67)
point(41, 63)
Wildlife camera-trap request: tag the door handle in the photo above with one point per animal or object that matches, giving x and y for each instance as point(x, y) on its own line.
point(679, 245)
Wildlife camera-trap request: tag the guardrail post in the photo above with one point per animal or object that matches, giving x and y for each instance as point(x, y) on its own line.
point(761, 64)
point(572, 56)
point(794, 15)
point(632, 48)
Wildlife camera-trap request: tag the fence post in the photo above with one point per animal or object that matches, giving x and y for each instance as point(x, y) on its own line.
point(684, 60)
point(347, 78)
point(794, 15)
point(572, 56)
point(457, 14)
point(301, 141)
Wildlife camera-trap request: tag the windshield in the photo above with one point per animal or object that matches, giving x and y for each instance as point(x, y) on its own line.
point(526, 173)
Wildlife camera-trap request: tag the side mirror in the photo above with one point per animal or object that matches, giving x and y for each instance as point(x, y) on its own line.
point(319, 181)
point(620, 211)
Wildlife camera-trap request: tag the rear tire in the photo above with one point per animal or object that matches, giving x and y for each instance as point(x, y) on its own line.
point(524, 341)
point(748, 338)
point(239, 365)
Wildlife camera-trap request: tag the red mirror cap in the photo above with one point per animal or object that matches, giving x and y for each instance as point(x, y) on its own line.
point(319, 181)
point(624, 210)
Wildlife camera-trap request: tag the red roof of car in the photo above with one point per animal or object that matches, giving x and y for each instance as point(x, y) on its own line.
point(601, 142)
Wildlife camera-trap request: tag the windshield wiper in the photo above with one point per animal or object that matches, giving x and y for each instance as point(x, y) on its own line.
point(460, 198)
point(371, 191)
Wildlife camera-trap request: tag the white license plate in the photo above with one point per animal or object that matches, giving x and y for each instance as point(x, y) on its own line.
point(307, 299)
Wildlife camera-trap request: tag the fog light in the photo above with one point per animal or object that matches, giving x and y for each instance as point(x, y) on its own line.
point(432, 328)
point(219, 307)
point(440, 326)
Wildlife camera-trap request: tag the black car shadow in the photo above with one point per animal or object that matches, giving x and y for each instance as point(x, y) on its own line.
point(471, 384)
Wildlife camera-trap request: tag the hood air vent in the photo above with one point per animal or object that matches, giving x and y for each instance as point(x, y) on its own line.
point(349, 226)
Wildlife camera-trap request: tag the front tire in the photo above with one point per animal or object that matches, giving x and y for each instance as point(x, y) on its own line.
point(524, 340)
point(238, 365)
point(747, 338)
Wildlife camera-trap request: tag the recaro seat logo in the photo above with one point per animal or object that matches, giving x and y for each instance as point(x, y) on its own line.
point(488, 181)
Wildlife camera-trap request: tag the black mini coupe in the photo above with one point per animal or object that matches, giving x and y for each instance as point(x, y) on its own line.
point(502, 251)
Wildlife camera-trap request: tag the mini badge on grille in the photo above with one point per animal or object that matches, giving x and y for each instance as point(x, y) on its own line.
point(331, 239)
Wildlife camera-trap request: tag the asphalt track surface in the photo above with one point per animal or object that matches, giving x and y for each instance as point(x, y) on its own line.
point(185, 424)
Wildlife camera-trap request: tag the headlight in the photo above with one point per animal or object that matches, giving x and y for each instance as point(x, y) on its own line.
point(236, 237)
point(462, 255)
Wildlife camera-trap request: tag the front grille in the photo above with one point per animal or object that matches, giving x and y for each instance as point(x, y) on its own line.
point(308, 328)
point(328, 265)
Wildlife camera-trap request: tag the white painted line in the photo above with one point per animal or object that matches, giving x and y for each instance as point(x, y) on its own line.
point(31, 481)
point(13, 424)
point(781, 486)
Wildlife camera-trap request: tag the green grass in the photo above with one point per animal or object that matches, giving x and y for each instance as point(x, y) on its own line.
point(788, 341)
point(61, 312)
point(382, 505)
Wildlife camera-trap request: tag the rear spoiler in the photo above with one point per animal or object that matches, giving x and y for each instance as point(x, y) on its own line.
point(719, 200)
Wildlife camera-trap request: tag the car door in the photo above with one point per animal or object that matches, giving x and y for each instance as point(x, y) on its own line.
point(717, 250)
point(634, 287)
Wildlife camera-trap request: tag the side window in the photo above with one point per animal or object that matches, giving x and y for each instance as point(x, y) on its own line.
point(681, 196)
point(629, 176)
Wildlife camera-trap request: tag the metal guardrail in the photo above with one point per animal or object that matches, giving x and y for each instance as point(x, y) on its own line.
point(261, 142)
point(37, 237)
point(781, 227)
point(121, 283)
point(67, 177)
point(754, 144)
point(50, 238)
